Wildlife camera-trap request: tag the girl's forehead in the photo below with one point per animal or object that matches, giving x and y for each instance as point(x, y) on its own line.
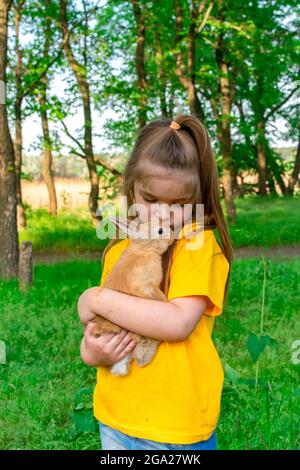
point(159, 172)
point(160, 181)
point(162, 186)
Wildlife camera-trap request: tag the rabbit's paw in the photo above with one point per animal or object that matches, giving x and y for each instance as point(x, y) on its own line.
point(121, 367)
point(145, 351)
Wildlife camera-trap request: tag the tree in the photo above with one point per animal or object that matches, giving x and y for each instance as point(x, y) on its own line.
point(9, 252)
point(42, 98)
point(80, 70)
point(32, 62)
point(18, 146)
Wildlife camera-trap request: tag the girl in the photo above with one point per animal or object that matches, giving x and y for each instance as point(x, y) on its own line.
point(174, 402)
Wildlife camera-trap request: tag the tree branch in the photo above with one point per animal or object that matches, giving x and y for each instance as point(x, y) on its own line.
point(68, 133)
point(275, 108)
point(99, 161)
point(205, 18)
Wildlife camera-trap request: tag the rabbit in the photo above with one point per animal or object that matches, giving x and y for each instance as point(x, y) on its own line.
point(137, 272)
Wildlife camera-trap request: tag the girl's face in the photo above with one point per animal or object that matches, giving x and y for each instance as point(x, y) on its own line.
point(164, 197)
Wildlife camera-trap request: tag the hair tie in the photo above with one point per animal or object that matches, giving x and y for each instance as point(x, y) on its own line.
point(175, 125)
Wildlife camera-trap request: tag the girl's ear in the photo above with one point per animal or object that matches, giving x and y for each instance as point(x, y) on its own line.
point(128, 227)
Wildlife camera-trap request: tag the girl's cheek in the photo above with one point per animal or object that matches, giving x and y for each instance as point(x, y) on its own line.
point(186, 216)
point(178, 218)
point(143, 211)
point(146, 211)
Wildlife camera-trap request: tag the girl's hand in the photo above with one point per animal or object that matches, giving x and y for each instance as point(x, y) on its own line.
point(106, 349)
point(84, 305)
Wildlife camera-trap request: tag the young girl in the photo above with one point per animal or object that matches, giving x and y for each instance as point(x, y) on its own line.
point(174, 402)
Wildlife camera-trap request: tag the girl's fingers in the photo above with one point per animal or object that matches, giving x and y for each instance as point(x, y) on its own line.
point(106, 337)
point(126, 350)
point(117, 341)
point(124, 344)
point(117, 338)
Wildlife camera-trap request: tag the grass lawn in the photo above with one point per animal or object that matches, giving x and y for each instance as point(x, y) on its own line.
point(68, 232)
point(269, 221)
point(260, 222)
point(46, 391)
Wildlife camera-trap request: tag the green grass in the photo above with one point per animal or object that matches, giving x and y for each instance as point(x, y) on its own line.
point(267, 221)
point(44, 379)
point(268, 418)
point(44, 372)
point(260, 222)
point(68, 232)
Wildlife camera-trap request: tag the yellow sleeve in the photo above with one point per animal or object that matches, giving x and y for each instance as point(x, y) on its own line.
point(200, 272)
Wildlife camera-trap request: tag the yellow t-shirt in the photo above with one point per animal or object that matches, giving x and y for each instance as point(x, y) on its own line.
point(176, 398)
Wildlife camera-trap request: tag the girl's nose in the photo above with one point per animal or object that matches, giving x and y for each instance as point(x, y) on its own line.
point(163, 212)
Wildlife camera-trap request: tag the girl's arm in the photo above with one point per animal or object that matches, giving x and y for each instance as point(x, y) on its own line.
point(165, 321)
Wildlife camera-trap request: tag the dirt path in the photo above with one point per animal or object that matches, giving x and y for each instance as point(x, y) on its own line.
point(287, 251)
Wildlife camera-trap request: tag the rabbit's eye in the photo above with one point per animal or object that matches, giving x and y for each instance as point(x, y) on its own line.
point(160, 231)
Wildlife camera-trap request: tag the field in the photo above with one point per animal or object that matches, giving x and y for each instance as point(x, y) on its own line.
point(46, 390)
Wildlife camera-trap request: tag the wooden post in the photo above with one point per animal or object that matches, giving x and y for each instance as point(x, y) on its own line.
point(25, 266)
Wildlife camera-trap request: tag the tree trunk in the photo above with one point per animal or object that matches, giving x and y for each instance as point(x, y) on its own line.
point(275, 170)
point(140, 63)
point(187, 77)
point(80, 73)
point(9, 246)
point(161, 73)
point(235, 185)
point(280, 182)
point(224, 130)
point(21, 217)
point(47, 163)
point(271, 184)
point(261, 158)
point(294, 179)
point(18, 144)
point(25, 266)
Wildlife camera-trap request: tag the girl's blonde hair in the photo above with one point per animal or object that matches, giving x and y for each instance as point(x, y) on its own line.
point(188, 148)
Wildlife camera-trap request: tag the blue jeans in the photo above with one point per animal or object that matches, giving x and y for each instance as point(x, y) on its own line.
point(112, 439)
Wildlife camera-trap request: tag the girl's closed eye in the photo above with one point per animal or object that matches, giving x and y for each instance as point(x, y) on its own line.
point(149, 200)
point(154, 200)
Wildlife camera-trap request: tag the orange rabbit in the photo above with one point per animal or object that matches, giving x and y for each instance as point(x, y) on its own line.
point(137, 272)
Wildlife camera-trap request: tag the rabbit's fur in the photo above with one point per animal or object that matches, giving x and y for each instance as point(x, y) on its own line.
point(137, 272)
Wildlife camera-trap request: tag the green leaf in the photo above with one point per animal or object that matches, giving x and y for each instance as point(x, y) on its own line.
point(84, 421)
point(2, 353)
point(257, 344)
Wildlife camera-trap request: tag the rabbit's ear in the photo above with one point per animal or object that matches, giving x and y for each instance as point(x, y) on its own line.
point(123, 225)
